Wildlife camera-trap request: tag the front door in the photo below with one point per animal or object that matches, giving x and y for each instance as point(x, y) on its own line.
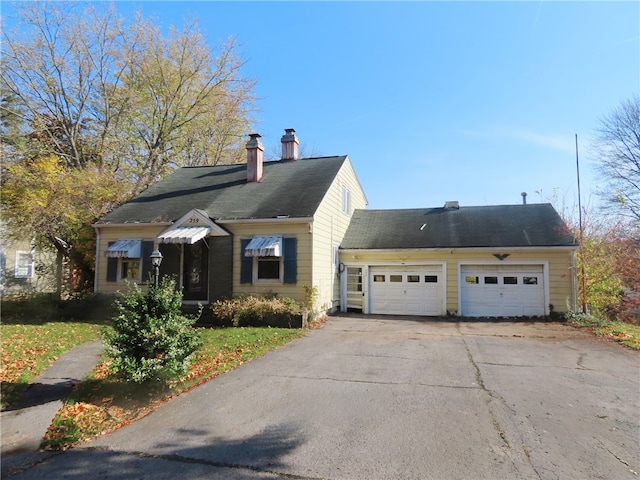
point(194, 277)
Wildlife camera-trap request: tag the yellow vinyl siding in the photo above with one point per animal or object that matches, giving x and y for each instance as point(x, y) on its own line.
point(289, 229)
point(560, 274)
point(329, 226)
point(107, 234)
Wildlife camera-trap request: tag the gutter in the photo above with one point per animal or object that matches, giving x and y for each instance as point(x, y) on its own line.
point(453, 249)
point(265, 220)
point(130, 224)
point(96, 275)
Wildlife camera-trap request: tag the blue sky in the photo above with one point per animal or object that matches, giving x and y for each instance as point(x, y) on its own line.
point(435, 101)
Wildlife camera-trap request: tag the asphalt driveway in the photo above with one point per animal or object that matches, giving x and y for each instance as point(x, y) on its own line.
point(384, 398)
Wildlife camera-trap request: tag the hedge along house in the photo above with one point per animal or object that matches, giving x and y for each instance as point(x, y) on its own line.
point(254, 228)
point(482, 261)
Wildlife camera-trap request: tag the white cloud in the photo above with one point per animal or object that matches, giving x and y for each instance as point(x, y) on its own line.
point(563, 143)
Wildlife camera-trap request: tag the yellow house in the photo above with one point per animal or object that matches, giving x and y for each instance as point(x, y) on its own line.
point(285, 226)
point(481, 261)
point(255, 228)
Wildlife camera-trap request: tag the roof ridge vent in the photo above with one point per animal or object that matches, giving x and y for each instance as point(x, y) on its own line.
point(452, 205)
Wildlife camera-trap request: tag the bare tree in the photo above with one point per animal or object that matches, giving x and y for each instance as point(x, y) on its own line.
point(96, 89)
point(95, 109)
point(617, 151)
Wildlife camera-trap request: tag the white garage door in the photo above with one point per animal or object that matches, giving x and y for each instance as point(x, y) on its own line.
point(406, 291)
point(502, 290)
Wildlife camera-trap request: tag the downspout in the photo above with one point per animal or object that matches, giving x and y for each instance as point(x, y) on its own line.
point(96, 275)
point(574, 281)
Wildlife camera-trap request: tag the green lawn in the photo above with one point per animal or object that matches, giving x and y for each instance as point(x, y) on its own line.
point(104, 402)
point(625, 333)
point(28, 349)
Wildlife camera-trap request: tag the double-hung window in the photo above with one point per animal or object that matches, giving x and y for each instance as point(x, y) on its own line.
point(129, 259)
point(268, 259)
point(24, 264)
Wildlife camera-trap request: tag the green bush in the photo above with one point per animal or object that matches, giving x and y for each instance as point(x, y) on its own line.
point(43, 307)
point(255, 311)
point(151, 338)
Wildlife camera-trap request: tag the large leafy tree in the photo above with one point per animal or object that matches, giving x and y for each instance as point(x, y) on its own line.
point(54, 205)
point(617, 152)
point(92, 102)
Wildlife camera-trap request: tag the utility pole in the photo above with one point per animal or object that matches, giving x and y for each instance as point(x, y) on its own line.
point(583, 296)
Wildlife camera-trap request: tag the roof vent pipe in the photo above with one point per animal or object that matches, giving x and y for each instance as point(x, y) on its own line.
point(289, 145)
point(524, 198)
point(255, 151)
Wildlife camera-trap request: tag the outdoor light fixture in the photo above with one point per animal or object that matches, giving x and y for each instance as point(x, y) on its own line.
point(156, 260)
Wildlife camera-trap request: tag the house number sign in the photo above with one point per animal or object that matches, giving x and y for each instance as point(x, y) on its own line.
point(194, 221)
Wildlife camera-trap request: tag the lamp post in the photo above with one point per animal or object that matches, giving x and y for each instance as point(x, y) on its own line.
point(156, 260)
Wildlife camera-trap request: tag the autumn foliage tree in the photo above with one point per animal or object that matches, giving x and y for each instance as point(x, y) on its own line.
point(95, 109)
point(54, 205)
point(608, 266)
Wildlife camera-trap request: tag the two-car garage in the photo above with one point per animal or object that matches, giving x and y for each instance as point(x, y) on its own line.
point(484, 290)
point(479, 261)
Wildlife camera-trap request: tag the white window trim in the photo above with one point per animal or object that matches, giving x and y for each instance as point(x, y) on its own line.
point(30, 268)
point(336, 255)
point(137, 279)
point(268, 281)
point(346, 200)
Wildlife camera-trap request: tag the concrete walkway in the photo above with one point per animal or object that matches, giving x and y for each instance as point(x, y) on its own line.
point(26, 421)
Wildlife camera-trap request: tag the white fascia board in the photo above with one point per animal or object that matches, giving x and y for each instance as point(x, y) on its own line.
point(202, 215)
point(131, 224)
point(453, 249)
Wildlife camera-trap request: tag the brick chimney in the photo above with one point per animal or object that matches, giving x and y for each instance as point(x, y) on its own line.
point(254, 158)
point(289, 145)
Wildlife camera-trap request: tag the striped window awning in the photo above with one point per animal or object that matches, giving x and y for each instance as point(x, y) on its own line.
point(265, 246)
point(189, 235)
point(124, 248)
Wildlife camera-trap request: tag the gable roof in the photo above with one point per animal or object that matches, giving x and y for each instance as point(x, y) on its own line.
point(483, 226)
point(292, 188)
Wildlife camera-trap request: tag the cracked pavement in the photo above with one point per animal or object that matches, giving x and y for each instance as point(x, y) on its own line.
point(374, 397)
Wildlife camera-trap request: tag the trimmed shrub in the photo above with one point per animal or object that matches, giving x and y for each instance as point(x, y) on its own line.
point(151, 338)
point(256, 311)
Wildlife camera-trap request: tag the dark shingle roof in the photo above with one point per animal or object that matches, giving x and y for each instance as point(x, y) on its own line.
point(293, 188)
point(483, 226)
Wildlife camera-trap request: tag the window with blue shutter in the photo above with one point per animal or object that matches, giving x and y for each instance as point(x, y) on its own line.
point(246, 263)
point(290, 247)
point(147, 267)
point(112, 268)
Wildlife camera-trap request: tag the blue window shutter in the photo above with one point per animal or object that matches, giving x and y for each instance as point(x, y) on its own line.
point(290, 246)
point(147, 267)
point(246, 264)
point(112, 268)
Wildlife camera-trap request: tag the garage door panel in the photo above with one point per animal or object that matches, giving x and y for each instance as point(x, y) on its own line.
point(502, 290)
point(406, 291)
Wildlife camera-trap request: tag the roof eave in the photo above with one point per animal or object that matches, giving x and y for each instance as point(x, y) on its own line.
point(448, 249)
point(265, 220)
point(131, 224)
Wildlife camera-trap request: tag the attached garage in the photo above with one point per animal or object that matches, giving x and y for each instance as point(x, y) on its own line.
point(482, 261)
point(397, 290)
point(502, 290)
